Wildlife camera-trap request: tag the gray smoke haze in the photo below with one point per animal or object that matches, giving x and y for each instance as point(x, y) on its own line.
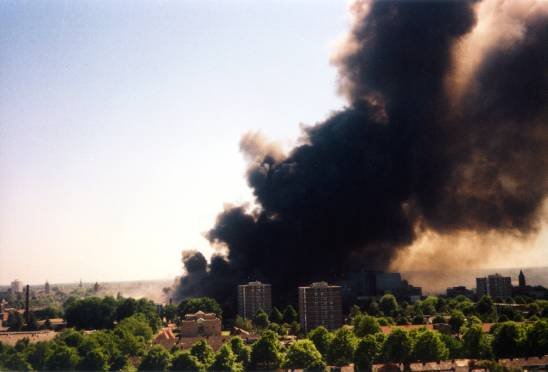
point(427, 143)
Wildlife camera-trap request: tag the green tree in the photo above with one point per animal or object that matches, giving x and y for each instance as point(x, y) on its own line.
point(39, 354)
point(509, 313)
point(454, 345)
point(15, 321)
point(321, 338)
point(87, 345)
point(365, 325)
point(388, 304)
point(128, 343)
point(295, 328)
point(118, 361)
point(509, 340)
point(537, 339)
point(366, 352)
point(91, 313)
point(22, 344)
point(149, 310)
point(261, 319)
point(355, 311)
point(290, 315)
point(126, 308)
point(108, 342)
point(276, 316)
point(302, 354)
point(94, 360)
point(71, 337)
point(477, 345)
point(485, 306)
point(170, 313)
point(428, 306)
point(242, 351)
point(157, 359)
point(341, 349)
point(373, 308)
point(438, 319)
point(49, 312)
point(137, 325)
point(62, 358)
point(203, 352)
point(429, 347)
point(418, 319)
point(225, 360)
point(265, 353)
point(456, 321)
point(184, 361)
point(205, 304)
point(441, 305)
point(16, 362)
point(533, 309)
point(275, 327)
point(243, 323)
point(398, 347)
point(473, 320)
point(285, 329)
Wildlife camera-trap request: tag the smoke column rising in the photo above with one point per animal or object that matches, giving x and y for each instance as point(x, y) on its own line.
point(428, 142)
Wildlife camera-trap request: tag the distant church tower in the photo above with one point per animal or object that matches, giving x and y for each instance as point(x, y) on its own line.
point(521, 279)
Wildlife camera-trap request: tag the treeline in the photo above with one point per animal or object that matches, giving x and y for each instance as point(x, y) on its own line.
point(126, 347)
point(101, 350)
point(389, 311)
point(123, 329)
point(103, 313)
point(367, 345)
point(87, 313)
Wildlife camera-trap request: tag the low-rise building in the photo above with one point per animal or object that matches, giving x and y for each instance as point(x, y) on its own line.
point(365, 284)
point(460, 291)
point(4, 315)
point(200, 324)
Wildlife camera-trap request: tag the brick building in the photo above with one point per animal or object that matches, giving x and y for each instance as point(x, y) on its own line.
point(320, 304)
point(200, 324)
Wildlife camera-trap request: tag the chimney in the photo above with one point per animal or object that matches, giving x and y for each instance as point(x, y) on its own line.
point(27, 294)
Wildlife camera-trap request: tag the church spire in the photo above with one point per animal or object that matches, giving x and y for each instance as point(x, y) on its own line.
point(521, 279)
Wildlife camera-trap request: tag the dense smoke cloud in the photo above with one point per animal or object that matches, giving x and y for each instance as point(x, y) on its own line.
point(407, 155)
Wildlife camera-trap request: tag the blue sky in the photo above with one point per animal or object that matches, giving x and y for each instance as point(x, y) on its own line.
point(120, 123)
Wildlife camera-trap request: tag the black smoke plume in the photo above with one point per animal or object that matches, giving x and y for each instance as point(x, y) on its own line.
point(404, 156)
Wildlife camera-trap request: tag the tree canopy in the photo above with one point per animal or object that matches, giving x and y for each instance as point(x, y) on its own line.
point(341, 348)
point(266, 352)
point(303, 354)
point(194, 304)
